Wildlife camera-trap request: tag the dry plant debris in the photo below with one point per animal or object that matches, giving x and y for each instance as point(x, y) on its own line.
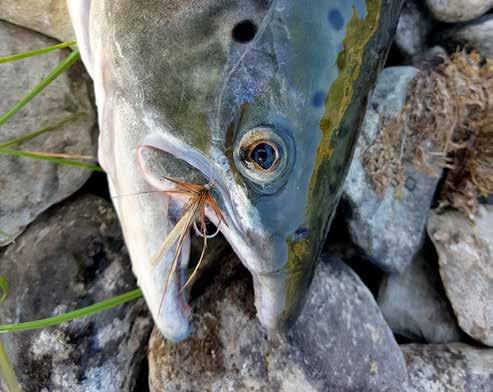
point(446, 122)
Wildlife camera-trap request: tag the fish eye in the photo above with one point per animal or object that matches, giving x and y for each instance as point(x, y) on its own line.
point(261, 156)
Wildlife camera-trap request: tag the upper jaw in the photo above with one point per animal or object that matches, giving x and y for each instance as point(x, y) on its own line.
point(243, 227)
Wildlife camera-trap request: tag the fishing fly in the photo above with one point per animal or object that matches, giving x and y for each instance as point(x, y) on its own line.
point(194, 211)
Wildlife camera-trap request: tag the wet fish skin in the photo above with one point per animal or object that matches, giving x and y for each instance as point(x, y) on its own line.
point(174, 84)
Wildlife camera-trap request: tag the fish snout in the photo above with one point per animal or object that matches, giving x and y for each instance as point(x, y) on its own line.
point(281, 279)
point(280, 296)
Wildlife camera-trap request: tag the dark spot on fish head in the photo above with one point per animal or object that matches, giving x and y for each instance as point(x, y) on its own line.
point(300, 234)
point(410, 184)
point(336, 19)
point(244, 31)
point(318, 99)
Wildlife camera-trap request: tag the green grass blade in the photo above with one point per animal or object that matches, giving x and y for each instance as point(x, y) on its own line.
point(7, 371)
point(76, 314)
point(49, 128)
point(4, 287)
point(65, 64)
point(49, 158)
point(36, 52)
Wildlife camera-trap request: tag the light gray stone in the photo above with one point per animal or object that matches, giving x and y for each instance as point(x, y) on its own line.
point(448, 368)
point(458, 10)
point(388, 228)
point(339, 343)
point(414, 26)
point(30, 186)
point(465, 250)
point(74, 256)
point(415, 306)
point(477, 35)
point(49, 17)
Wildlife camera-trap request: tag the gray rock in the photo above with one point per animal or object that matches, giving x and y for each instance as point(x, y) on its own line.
point(49, 17)
point(458, 10)
point(448, 368)
point(415, 306)
point(430, 58)
point(30, 186)
point(414, 26)
point(388, 228)
point(71, 257)
point(340, 342)
point(465, 252)
point(477, 35)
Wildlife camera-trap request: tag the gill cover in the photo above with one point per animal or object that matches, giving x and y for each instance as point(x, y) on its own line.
point(262, 98)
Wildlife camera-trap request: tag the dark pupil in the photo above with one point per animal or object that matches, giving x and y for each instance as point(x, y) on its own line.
point(264, 155)
point(244, 31)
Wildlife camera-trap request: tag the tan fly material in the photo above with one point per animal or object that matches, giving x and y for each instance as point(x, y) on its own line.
point(194, 210)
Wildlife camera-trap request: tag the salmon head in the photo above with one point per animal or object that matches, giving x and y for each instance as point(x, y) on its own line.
point(260, 99)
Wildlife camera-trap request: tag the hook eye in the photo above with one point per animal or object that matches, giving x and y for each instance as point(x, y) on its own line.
point(208, 236)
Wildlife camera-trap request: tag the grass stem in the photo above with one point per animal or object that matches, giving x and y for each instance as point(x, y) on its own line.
point(53, 158)
point(60, 68)
point(76, 314)
point(49, 128)
point(7, 371)
point(35, 52)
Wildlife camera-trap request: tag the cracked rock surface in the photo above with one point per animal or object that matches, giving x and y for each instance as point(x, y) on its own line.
point(49, 17)
point(465, 250)
point(340, 342)
point(415, 305)
point(447, 368)
point(31, 186)
point(74, 256)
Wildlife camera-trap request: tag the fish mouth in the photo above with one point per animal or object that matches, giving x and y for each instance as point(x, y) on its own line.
point(168, 290)
point(146, 219)
point(173, 311)
point(198, 169)
point(277, 290)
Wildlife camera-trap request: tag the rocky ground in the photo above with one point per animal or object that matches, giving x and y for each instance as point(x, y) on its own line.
point(403, 296)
